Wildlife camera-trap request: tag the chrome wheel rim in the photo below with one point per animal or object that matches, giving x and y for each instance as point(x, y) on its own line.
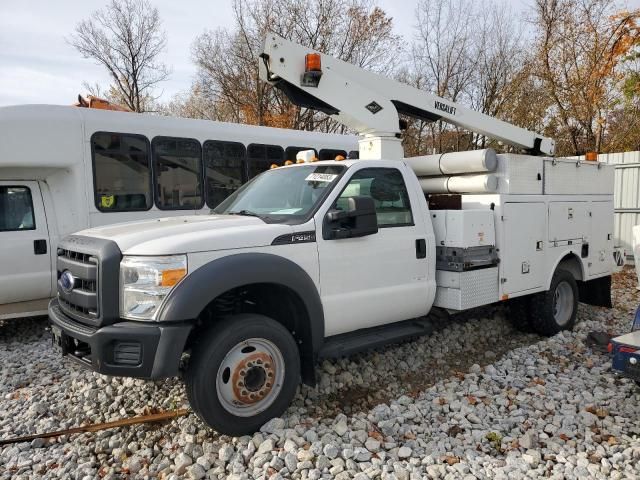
point(250, 377)
point(563, 303)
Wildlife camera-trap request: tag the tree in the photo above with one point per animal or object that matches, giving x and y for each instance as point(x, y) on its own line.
point(581, 45)
point(227, 83)
point(126, 38)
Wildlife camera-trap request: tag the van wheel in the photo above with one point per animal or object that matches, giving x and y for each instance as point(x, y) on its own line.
point(242, 372)
point(555, 310)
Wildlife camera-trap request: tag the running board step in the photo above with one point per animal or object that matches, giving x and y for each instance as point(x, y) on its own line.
point(347, 344)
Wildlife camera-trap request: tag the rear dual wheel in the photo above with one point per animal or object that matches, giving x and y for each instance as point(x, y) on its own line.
point(550, 312)
point(242, 372)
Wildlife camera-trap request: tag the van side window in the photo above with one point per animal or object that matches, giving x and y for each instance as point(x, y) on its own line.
point(121, 172)
point(386, 187)
point(331, 154)
point(224, 169)
point(260, 157)
point(291, 152)
point(16, 209)
point(177, 168)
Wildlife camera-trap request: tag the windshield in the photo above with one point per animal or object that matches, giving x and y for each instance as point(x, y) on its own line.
point(283, 194)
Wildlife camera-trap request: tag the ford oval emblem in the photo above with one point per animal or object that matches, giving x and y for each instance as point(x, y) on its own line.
point(67, 281)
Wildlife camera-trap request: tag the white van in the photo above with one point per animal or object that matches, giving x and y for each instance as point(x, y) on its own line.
point(64, 169)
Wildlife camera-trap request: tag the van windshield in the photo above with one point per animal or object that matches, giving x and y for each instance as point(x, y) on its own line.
point(283, 195)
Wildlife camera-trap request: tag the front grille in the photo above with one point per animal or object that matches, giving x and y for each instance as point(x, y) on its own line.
point(81, 302)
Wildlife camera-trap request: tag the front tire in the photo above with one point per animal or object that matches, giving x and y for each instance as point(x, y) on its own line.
point(242, 372)
point(555, 310)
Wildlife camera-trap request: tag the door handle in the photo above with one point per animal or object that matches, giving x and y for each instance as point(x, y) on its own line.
point(40, 247)
point(421, 248)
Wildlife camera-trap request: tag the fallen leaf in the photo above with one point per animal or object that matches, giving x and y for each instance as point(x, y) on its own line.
point(563, 437)
point(451, 460)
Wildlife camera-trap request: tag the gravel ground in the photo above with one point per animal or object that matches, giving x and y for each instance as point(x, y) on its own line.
point(476, 399)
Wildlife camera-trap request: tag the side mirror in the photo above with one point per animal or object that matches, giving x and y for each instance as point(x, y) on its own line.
point(358, 220)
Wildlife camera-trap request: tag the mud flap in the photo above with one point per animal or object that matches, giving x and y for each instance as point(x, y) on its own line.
point(596, 292)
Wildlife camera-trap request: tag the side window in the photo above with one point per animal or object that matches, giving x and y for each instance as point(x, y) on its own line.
point(331, 154)
point(386, 187)
point(260, 157)
point(354, 155)
point(16, 209)
point(291, 152)
point(224, 169)
point(177, 167)
point(121, 172)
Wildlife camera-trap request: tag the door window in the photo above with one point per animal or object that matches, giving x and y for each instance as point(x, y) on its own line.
point(387, 189)
point(177, 164)
point(224, 169)
point(16, 209)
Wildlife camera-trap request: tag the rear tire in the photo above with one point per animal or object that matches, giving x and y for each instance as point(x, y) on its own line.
point(519, 311)
point(555, 310)
point(242, 372)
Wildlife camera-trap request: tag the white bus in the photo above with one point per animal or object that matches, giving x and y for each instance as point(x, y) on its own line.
point(63, 169)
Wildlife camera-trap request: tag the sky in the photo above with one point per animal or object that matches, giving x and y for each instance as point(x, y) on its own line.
point(37, 65)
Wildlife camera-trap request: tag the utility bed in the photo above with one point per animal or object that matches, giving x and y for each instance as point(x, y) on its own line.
point(502, 245)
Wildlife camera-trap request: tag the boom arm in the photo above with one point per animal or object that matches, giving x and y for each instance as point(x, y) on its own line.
point(371, 104)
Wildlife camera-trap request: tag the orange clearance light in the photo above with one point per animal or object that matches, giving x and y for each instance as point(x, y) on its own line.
point(339, 158)
point(288, 162)
point(504, 297)
point(300, 160)
point(273, 165)
point(591, 156)
point(171, 277)
point(312, 62)
point(314, 159)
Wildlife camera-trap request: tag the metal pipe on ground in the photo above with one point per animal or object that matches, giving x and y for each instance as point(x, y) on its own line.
point(460, 184)
point(452, 163)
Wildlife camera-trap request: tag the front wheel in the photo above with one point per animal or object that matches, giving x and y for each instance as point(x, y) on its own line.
point(555, 310)
point(242, 372)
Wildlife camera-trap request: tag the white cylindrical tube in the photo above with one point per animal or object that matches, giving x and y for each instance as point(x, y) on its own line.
point(460, 184)
point(472, 161)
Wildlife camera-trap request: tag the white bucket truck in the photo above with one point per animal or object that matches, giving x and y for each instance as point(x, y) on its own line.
point(325, 258)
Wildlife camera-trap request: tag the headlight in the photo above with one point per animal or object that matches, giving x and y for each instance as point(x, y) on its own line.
point(146, 281)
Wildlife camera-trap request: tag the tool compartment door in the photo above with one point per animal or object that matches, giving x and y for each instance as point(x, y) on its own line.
point(601, 238)
point(522, 252)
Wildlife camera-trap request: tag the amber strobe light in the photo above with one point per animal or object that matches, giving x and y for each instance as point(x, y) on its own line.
point(312, 62)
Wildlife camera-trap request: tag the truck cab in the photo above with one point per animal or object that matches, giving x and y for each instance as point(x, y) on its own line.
point(301, 253)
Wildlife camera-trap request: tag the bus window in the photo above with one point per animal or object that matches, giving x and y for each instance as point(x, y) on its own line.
point(224, 169)
point(291, 152)
point(354, 155)
point(260, 157)
point(177, 168)
point(331, 154)
point(121, 172)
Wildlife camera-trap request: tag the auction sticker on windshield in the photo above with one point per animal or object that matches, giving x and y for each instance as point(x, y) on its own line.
point(321, 177)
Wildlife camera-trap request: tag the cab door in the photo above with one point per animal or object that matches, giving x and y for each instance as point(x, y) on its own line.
point(379, 278)
point(25, 264)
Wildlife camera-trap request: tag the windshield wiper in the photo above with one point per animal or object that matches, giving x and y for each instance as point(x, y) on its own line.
point(246, 213)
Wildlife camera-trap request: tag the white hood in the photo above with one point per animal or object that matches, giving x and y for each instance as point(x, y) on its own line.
point(185, 234)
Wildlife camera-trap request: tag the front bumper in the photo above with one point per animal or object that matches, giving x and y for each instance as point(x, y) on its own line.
point(626, 355)
point(127, 349)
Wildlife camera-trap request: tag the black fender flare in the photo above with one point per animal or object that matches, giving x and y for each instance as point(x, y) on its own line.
point(192, 295)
